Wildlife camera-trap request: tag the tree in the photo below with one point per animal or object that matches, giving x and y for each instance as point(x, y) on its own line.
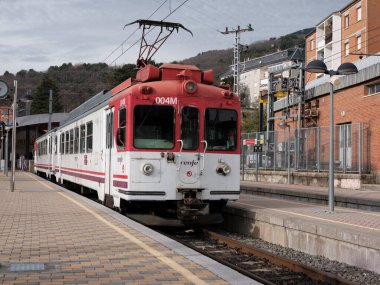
point(245, 98)
point(120, 74)
point(250, 121)
point(40, 103)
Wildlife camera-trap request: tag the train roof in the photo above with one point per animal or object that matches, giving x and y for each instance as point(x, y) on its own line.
point(94, 103)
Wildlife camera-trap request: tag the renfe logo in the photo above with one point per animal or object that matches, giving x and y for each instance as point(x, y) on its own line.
point(189, 163)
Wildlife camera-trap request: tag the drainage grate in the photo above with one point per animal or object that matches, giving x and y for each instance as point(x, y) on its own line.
point(26, 267)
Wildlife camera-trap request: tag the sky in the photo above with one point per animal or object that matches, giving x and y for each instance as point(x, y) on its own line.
point(36, 34)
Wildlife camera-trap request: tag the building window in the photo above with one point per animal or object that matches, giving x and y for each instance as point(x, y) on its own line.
point(346, 21)
point(359, 13)
point(312, 44)
point(373, 89)
point(346, 48)
point(358, 42)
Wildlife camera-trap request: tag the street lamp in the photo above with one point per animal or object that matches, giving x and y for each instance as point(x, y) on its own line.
point(347, 68)
point(284, 125)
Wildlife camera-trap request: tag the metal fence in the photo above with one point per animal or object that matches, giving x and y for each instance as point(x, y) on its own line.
point(307, 149)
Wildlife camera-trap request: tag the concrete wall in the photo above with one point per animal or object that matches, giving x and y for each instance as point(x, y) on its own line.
point(342, 244)
point(319, 179)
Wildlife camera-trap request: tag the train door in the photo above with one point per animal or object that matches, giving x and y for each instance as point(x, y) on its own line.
point(191, 162)
point(59, 156)
point(108, 158)
point(53, 152)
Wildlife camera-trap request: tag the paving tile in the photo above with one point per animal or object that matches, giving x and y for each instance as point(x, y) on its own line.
point(75, 247)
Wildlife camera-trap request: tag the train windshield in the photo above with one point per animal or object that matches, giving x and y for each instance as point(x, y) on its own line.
point(221, 129)
point(190, 128)
point(153, 127)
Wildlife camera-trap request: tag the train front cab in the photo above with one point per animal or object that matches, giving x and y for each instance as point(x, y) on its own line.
point(176, 155)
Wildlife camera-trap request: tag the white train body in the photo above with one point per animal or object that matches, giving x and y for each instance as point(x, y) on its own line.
point(164, 148)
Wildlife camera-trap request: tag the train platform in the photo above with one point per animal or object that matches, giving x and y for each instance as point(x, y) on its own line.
point(347, 235)
point(50, 235)
point(365, 198)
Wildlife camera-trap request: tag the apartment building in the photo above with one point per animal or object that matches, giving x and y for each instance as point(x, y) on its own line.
point(254, 72)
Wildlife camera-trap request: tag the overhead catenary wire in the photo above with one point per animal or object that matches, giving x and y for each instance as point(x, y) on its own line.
point(172, 12)
point(121, 45)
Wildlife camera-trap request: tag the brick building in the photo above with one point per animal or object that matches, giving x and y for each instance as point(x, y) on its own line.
point(349, 35)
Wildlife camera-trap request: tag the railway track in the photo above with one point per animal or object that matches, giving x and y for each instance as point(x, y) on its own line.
point(257, 264)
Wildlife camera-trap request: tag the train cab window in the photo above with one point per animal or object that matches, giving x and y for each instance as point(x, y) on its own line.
point(82, 142)
point(221, 129)
point(120, 137)
point(153, 127)
point(76, 140)
point(67, 141)
point(71, 141)
point(190, 128)
point(89, 137)
point(62, 150)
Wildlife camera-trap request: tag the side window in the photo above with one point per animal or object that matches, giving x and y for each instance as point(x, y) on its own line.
point(67, 140)
point(89, 137)
point(55, 144)
point(71, 141)
point(62, 150)
point(76, 140)
point(82, 138)
point(109, 131)
point(120, 140)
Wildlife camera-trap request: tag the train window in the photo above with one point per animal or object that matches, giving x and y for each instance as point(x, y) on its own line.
point(190, 128)
point(221, 129)
point(82, 142)
point(62, 143)
point(50, 145)
point(76, 140)
point(122, 127)
point(71, 141)
point(55, 144)
point(89, 137)
point(67, 141)
point(153, 127)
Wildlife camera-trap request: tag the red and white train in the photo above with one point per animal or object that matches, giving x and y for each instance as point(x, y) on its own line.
point(163, 147)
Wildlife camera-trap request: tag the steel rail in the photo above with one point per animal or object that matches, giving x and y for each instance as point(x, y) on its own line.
point(278, 260)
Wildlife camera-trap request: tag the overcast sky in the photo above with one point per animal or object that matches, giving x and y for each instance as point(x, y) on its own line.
point(39, 33)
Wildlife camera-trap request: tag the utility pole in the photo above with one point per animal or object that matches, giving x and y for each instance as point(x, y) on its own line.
point(50, 108)
point(237, 53)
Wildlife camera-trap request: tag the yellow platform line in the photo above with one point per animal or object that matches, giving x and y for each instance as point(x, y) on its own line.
point(168, 261)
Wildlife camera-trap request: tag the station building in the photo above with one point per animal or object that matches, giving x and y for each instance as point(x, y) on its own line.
point(351, 34)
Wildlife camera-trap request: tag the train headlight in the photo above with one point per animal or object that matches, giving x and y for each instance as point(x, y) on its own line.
point(223, 169)
point(190, 86)
point(147, 169)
